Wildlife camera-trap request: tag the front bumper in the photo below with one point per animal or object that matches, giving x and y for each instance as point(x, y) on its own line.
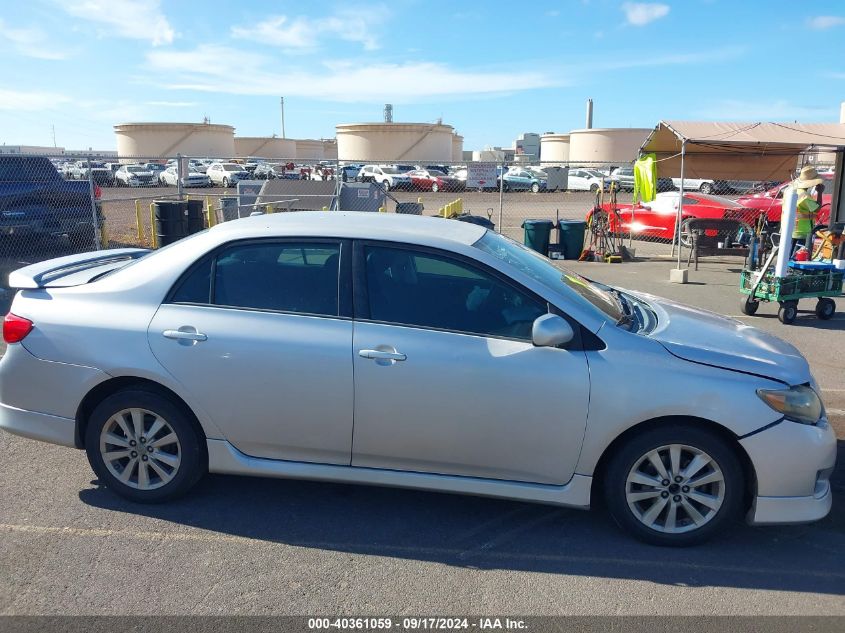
point(793, 463)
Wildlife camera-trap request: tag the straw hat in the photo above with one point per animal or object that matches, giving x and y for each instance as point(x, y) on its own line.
point(808, 178)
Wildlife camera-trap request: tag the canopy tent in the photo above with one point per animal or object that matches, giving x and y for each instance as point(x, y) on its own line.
point(738, 151)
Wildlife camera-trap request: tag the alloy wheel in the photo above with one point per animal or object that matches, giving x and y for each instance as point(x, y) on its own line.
point(675, 488)
point(140, 449)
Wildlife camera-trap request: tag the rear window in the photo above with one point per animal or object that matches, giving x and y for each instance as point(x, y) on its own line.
point(26, 169)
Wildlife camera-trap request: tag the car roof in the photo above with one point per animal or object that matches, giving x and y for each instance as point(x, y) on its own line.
point(354, 224)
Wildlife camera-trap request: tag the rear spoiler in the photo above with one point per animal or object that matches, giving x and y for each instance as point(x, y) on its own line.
point(73, 270)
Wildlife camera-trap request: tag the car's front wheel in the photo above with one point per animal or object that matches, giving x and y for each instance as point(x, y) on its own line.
point(142, 446)
point(674, 485)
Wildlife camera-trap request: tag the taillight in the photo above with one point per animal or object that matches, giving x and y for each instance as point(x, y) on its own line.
point(97, 192)
point(16, 328)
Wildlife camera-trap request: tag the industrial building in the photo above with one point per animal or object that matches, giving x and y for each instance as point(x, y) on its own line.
point(388, 141)
point(167, 139)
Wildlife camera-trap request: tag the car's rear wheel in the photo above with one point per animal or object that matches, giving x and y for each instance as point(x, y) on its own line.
point(142, 446)
point(674, 485)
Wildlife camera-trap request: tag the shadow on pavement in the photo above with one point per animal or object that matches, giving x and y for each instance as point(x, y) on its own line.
point(482, 533)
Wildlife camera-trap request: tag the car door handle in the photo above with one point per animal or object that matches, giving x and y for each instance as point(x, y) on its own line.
point(377, 354)
point(185, 336)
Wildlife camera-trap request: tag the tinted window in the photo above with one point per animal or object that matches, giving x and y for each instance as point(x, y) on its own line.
point(420, 289)
point(287, 277)
point(196, 287)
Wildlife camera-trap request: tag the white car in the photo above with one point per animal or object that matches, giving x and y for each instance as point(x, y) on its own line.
point(135, 176)
point(390, 349)
point(581, 179)
point(704, 185)
point(387, 177)
point(227, 174)
point(170, 177)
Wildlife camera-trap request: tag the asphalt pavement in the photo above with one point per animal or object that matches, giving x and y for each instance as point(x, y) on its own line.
point(250, 546)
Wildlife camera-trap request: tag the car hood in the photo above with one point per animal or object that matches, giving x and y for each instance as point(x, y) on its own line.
point(708, 338)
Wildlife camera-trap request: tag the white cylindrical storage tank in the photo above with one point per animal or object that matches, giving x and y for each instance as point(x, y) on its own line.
point(388, 142)
point(457, 148)
point(154, 140)
point(554, 148)
point(606, 145)
point(265, 146)
point(329, 149)
point(309, 149)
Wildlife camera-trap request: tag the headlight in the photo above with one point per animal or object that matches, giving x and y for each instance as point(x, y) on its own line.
point(799, 404)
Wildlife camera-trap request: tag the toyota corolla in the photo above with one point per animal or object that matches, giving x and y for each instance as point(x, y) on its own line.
point(412, 352)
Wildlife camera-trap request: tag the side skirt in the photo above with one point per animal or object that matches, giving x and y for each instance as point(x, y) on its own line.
point(223, 458)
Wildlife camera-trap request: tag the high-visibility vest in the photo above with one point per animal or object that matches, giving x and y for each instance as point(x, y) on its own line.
point(805, 214)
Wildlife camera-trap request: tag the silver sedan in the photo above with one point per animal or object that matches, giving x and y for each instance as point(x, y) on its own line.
point(413, 352)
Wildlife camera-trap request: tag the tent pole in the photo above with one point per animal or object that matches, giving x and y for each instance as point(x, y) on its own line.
point(677, 238)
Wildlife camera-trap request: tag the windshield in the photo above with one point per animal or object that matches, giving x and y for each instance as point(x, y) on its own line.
point(541, 269)
point(389, 170)
point(136, 170)
point(232, 167)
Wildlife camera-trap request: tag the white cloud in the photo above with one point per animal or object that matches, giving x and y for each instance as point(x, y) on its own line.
point(338, 81)
point(303, 34)
point(641, 13)
point(30, 100)
point(31, 42)
point(822, 22)
point(132, 19)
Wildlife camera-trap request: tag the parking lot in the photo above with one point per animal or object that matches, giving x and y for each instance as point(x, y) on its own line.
point(251, 546)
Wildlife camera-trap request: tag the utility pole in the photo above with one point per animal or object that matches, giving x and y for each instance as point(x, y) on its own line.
point(282, 106)
point(54, 135)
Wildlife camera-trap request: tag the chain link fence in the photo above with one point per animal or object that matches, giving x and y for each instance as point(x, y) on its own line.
point(53, 205)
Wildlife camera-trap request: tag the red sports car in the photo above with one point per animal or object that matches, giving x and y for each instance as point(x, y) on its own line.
point(432, 180)
point(770, 201)
point(657, 218)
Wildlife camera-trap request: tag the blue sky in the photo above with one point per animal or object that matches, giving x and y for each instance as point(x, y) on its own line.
point(491, 69)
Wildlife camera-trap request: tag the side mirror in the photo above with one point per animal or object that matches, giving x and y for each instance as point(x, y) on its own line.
point(551, 330)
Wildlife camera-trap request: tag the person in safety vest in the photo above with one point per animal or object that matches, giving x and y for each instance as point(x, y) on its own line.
point(807, 186)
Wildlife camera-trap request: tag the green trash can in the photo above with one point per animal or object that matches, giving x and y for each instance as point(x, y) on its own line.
point(571, 234)
point(537, 235)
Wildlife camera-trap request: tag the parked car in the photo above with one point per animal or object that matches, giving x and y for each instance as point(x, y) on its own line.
point(170, 177)
point(624, 179)
point(523, 180)
point(704, 185)
point(586, 180)
point(227, 174)
point(431, 180)
point(101, 173)
point(387, 177)
point(36, 202)
point(264, 171)
point(156, 168)
point(770, 202)
point(135, 176)
point(683, 421)
point(349, 173)
point(658, 218)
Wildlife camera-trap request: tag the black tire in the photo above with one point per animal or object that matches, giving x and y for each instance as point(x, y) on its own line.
point(225, 183)
point(749, 306)
point(825, 308)
point(386, 185)
point(535, 188)
point(706, 188)
point(434, 187)
point(691, 435)
point(594, 188)
point(191, 467)
point(788, 312)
